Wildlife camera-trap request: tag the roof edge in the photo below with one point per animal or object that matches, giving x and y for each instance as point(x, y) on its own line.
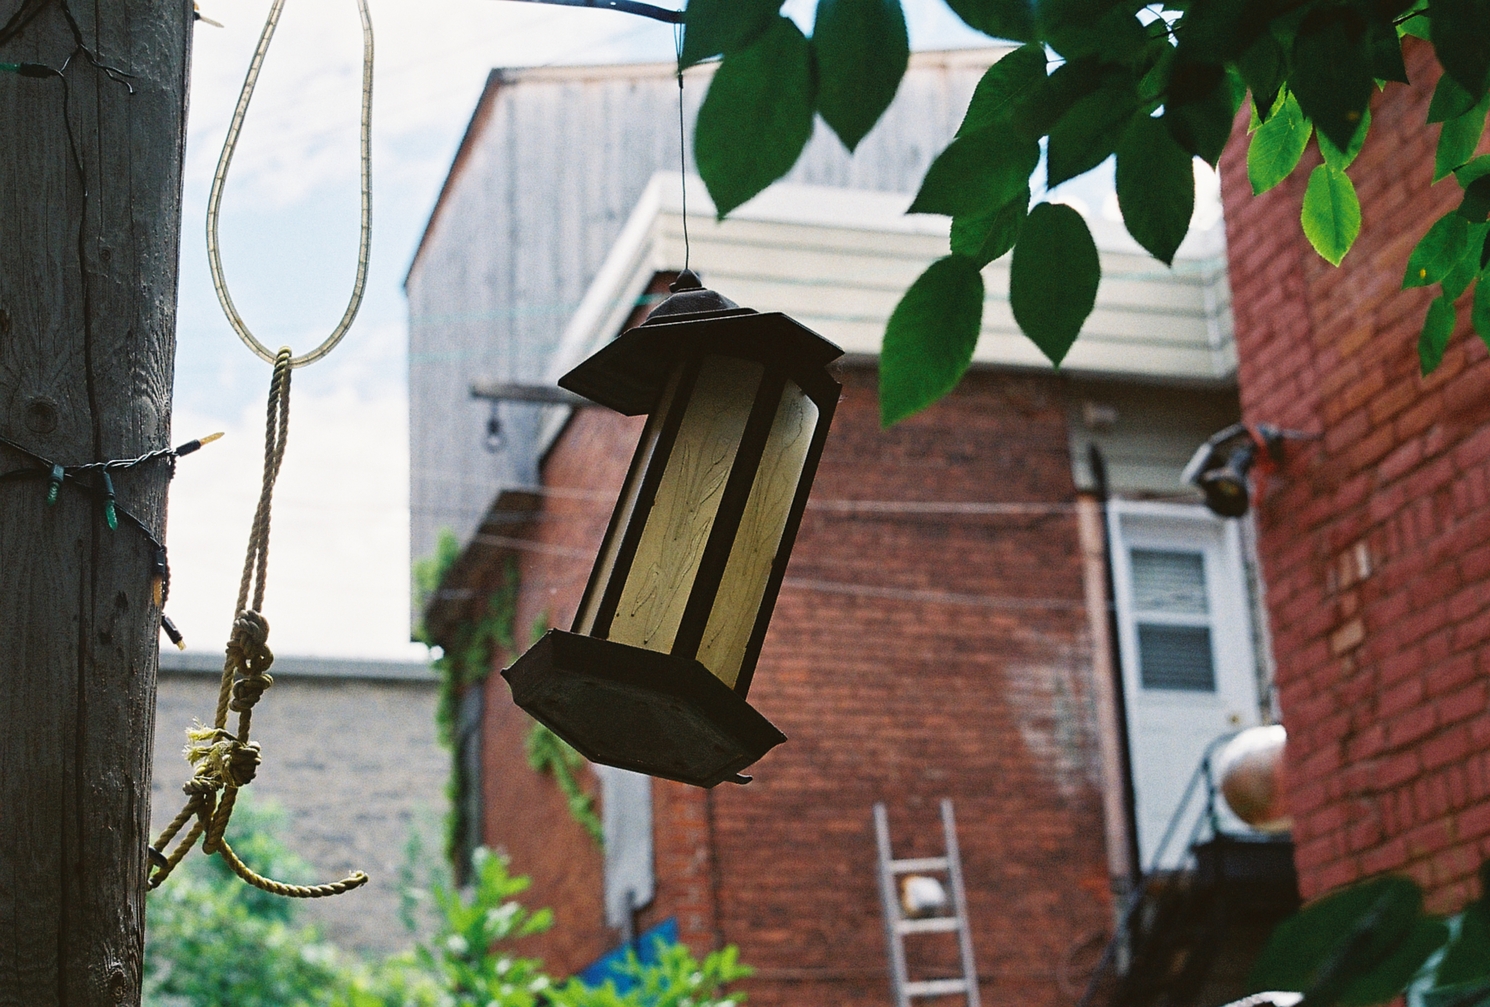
point(494, 81)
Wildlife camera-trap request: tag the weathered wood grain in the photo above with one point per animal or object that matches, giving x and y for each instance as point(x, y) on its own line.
point(88, 273)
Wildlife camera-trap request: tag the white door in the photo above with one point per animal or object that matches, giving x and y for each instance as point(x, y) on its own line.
point(1185, 640)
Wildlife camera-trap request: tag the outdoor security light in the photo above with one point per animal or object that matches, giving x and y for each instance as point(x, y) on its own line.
point(1221, 466)
point(654, 673)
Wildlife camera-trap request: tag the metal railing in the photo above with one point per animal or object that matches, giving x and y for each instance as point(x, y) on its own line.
point(1203, 782)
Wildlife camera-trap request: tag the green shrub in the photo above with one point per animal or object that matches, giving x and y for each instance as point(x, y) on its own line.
point(213, 941)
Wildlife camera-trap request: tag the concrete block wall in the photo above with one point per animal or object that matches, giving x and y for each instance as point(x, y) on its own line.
point(353, 763)
point(912, 656)
point(1374, 539)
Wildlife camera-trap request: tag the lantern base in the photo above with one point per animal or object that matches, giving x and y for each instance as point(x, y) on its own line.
point(636, 709)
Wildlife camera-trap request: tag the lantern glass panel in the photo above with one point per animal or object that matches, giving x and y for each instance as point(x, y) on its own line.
point(737, 605)
point(698, 466)
point(605, 564)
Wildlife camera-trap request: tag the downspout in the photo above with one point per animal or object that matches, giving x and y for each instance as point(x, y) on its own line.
point(1119, 802)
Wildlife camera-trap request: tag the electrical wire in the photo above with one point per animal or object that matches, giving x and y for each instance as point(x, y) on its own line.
point(220, 177)
point(624, 7)
point(682, 144)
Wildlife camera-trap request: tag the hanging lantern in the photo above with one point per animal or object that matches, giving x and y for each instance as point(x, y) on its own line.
point(654, 673)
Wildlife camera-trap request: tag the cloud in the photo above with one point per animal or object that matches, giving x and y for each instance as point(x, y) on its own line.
point(338, 567)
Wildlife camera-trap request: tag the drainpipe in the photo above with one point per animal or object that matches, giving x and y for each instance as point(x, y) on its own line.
point(1119, 805)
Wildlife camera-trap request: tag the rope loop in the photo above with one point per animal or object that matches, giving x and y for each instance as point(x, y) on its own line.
point(220, 178)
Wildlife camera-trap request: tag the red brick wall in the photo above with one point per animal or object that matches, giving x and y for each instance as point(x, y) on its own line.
point(1375, 540)
point(904, 701)
point(526, 814)
point(979, 694)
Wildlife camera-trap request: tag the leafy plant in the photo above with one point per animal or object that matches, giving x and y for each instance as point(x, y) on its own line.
point(676, 979)
point(469, 961)
point(1367, 943)
point(213, 941)
point(1154, 84)
point(464, 662)
point(549, 753)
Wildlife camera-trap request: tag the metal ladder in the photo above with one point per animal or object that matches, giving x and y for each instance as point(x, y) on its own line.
point(897, 926)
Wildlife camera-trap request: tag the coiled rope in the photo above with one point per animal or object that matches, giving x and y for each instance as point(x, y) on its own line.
point(226, 761)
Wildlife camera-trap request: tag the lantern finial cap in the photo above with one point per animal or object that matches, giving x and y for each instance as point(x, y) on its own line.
point(690, 297)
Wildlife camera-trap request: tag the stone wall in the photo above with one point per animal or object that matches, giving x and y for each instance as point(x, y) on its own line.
point(352, 761)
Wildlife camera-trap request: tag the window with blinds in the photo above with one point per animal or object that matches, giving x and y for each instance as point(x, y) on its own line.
point(1173, 619)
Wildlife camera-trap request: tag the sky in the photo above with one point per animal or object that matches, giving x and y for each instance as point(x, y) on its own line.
point(338, 577)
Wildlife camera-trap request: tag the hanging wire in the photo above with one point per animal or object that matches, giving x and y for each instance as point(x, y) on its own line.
point(220, 178)
point(624, 7)
point(682, 141)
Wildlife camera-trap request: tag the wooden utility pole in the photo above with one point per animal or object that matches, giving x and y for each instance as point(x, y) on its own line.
point(89, 246)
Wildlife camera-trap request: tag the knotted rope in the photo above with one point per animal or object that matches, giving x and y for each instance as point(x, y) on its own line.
point(226, 761)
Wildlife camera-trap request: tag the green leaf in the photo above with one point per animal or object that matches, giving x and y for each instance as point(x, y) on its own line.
point(1480, 314)
point(1089, 132)
point(930, 338)
point(1077, 28)
point(1262, 67)
point(1277, 145)
point(1336, 942)
point(712, 27)
point(1458, 137)
point(1385, 48)
point(1475, 206)
point(1069, 82)
point(1437, 328)
point(1199, 108)
point(1417, 27)
point(1464, 271)
point(1159, 64)
point(984, 237)
point(1466, 173)
point(862, 51)
point(756, 117)
point(1053, 278)
point(1468, 957)
point(1221, 30)
point(1332, 213)
point(1462, 42)
point(977, 172)
point(1444, 245)
point(1332, 72)
point(1155, 187)
point(1450, 100)
point(1384, 978)
point(1342, 159)
point(1008, 19)
point(1473, 993)
point(1012, 80)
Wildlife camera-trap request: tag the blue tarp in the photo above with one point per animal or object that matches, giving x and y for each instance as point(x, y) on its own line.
point(647, 945)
